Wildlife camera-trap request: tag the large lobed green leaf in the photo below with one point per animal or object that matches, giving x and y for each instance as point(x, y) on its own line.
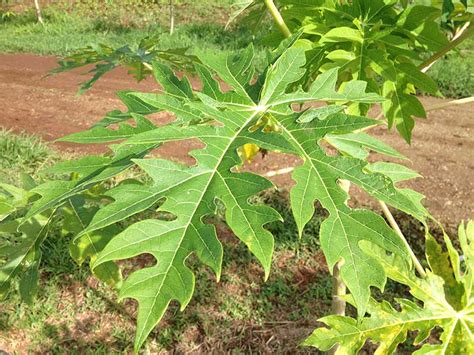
point(224, 121)
point(445, 300)
point(229, 121)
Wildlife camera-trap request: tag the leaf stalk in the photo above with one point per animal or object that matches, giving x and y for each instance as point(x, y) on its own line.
point(463, 34)
point(463, 101)
point(393, 223)
point(277, 18)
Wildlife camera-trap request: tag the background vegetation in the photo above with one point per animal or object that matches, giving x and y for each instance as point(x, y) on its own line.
point(199, 25)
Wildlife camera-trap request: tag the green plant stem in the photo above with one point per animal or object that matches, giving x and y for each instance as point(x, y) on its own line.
point(457, 102)
point(469, 31)
point(277, 18)
point(451, 103)
point(393, 223)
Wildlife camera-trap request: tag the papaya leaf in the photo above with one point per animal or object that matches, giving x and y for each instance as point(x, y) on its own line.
point(358, 145)
point(395, 172)
point(101, 134)
point(377, 42)
point(212, 177)
point(137, 59)
point(20, 253)
point(57, 192)
point(252, 110)
point(88, 245)
point(228, 122)
point(436, 306)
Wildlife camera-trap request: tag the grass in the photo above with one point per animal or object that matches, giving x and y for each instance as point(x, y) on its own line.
point(454, 74)
point(23, 153)
point(67, 30)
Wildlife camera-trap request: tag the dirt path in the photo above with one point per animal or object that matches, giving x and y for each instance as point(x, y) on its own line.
point(442, 149)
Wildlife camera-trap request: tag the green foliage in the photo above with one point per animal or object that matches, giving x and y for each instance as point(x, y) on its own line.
point(444, 299)
point(454, 75)
point(22, 239)
point(20, 252)
point(349, 55)
point(137, 60)
point(187, 195)
point(455, 13)
point(375, 41)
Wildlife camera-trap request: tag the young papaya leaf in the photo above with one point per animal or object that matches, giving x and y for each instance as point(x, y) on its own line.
point(400, 108)
point(388, 327)
point(248, 112)
point(171, 242)
point(224, 129)
point(137, 60)
point(212, 177)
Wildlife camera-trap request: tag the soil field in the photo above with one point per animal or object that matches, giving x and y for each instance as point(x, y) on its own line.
point(442, 149)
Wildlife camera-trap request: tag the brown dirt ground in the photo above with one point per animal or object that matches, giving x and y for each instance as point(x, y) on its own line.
point(442, 148)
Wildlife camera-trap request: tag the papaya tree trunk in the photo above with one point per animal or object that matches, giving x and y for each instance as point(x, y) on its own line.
point(171, 12)
point(38, 12)
point(338, 304)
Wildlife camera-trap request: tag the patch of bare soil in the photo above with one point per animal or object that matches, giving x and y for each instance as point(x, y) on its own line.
point(442, 148)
